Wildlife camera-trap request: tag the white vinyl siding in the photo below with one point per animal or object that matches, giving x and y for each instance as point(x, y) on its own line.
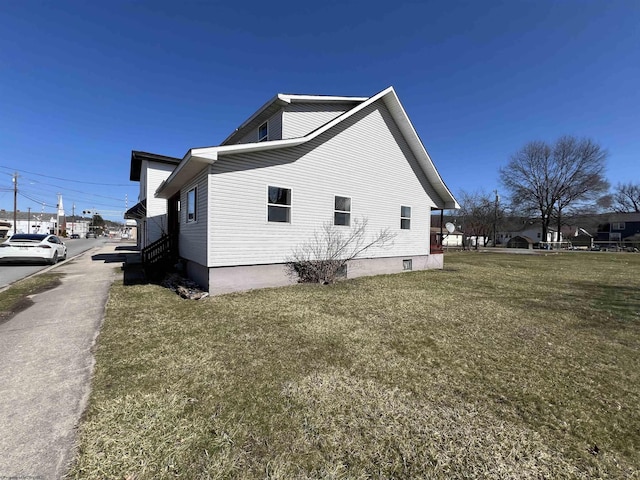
point(193, 235)
point(299, 119)
point(275, 130)
point(364, 157)
point(152, 174)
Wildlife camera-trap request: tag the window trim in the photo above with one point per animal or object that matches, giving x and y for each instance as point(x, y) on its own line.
point(269, 204)
point(348, 212)
point(402, 218)
point(195, 205)
point(266, 136)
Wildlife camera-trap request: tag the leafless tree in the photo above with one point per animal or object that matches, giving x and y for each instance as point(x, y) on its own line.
point(550, 178)
point(479, 212)
point(626, 198)
point(321, 258)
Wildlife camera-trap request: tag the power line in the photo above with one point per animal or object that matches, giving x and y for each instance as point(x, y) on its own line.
point(73, 181)
point(58, 187)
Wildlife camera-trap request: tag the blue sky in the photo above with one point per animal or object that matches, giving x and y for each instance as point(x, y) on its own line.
point(84, 83)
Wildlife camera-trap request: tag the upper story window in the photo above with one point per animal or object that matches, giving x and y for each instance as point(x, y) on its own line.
point(191, 205)
point(279, 205)
point(263, 132)
point(405, 218)
point(342, 211)
point(618, 226)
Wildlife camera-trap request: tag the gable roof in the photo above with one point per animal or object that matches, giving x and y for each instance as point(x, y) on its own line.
point(198, 158)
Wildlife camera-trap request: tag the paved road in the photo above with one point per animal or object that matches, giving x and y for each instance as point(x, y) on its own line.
point(12, 273)
point(46, 365)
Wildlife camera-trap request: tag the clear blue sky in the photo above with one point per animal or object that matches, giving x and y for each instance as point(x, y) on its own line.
point(83, 83)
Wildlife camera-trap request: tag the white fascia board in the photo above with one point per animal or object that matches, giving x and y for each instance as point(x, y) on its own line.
point(187, 168)
point(319, 98)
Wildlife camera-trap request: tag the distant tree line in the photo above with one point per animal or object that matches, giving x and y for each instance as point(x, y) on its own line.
point(549, 181)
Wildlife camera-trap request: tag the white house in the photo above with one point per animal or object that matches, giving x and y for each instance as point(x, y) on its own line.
point(150, 213)
point(531, 232)
point(298, 162)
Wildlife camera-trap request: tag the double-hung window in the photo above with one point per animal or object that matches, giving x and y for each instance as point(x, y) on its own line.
point(279, 205)
point(405, 217)
point(191, 205)
point(263, 132)
point(342, 211)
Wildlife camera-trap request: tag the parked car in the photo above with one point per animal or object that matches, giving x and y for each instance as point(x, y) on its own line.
point(74, 235)
point(91, 235)
point(33, 247)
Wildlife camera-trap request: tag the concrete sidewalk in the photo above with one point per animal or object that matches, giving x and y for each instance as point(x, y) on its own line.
point(46, 364)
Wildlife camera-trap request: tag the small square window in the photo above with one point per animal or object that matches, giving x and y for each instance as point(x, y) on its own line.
point(405, 217)
point(407, 264)
point(191, 205)
point(342, 211)
point(263, 132)
point(279, 205)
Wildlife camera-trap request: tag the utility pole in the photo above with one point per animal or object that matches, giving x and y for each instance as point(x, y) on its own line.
point(15, 202)
point(73, 211)
point(29, 220)
point(495, 218)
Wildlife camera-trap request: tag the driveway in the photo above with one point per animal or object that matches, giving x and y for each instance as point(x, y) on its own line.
point(46, 363)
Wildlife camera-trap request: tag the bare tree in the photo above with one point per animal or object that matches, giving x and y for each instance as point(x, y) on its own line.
point(550, 178)
point(479, 212)
point(626, 198)
point(321, 258)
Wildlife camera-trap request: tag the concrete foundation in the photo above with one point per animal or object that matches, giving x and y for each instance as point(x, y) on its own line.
point(219, 280)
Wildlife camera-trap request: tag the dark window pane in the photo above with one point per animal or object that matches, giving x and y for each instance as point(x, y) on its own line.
point(343, 204)
point(405, 224)
point(279, 196)
point(263, 132)
point(279, 214)
point(405, 212)
point(191, 205)
point(341, 218)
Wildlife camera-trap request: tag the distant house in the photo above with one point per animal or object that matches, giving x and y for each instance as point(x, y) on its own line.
point(578, 237)
point(238, 210)
point(619, 229)
point(530, 230)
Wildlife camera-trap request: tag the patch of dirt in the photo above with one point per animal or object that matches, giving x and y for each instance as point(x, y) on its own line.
point(24, 301)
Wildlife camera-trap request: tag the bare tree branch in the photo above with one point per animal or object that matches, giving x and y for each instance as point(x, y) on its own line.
point(321, 258)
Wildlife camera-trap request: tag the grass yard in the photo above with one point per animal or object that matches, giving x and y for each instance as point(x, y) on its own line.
point(498, 366)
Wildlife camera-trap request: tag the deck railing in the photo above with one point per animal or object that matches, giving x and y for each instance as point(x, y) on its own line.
point(162, 250)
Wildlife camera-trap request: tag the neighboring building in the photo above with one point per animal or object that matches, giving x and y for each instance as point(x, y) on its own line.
point(150, 213)
point(531, 231)
point(453, 239)
point(619, 229)
point(239, 209)
point(577, 237)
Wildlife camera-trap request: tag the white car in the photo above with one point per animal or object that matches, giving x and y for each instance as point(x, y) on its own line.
point(33, 247)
